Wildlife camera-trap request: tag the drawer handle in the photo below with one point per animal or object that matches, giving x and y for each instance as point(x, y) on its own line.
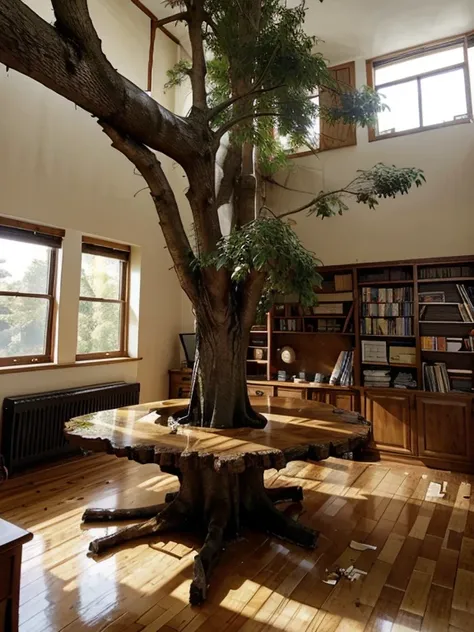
point(259, 393)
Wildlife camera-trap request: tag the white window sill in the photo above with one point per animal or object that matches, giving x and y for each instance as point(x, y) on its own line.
point(24, 368)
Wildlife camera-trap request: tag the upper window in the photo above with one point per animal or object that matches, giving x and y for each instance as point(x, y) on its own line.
point(28, 258)
point(103, 304)
point(424, 88)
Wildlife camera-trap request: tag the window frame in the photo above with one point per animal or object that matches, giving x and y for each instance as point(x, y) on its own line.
point(419, 51)
point(351, 141)
point(121, 252)
point(35, 233)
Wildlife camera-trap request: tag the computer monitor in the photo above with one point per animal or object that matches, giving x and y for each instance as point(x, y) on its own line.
point(188, 342)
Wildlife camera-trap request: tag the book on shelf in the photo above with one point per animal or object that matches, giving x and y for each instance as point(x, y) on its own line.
point(388, 274)
point(402, 354)
point(374, 350)
point(436, 378)
point(386, 327)
point(377, 378)
point(387, 294)
point(433, 343)
point(342, 372)
point(431, 297)
point(404, 380)
point(466, 309)
point(386, 310)
point(446, 272)
point(343, 282)
point(329, 308)
point(336, 297)
point(328, 325)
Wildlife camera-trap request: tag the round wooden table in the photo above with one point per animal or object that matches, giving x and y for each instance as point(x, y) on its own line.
point(220, 471)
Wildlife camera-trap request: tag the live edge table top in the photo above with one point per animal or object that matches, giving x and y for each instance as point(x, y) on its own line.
point(296, 430)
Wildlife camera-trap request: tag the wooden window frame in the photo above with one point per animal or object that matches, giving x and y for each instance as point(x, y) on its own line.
point(419, 51)
point(26, 232)
point(121, 252)
point(350, 67)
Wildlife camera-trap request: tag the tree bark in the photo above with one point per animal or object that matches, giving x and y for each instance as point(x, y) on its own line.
point(219, 396)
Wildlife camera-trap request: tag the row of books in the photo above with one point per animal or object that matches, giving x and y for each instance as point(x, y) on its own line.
point(387, 309)
point(446, 272)
point(442, 343)
point(387, 294)
point(386, 327)
point(325, 324)
point(436, 378)
point(342, 372)
point(377, 378)
point(467, 308)
point(342, 282)
point(389, 274)
point(288, 324)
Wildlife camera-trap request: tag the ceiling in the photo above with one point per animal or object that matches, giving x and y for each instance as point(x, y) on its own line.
point(368, 28)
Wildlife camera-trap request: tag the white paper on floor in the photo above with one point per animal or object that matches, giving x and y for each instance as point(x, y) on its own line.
point(360, 546)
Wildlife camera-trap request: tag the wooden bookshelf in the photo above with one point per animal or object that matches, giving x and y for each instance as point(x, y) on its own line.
point(317, 339)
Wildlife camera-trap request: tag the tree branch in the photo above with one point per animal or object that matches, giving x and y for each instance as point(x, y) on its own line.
point(238, 119)
point(69, 60)
point(199, 69)
point(252, 293)
point(166, 206)
point(253, 93)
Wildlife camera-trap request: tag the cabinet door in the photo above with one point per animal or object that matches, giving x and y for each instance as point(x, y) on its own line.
point(391, 417)
point(293, 393)
point(444, 427)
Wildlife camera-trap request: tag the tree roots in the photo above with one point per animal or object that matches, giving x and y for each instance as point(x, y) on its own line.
point(216, 504)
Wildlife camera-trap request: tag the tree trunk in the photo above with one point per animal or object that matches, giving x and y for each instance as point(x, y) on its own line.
point(219, 397)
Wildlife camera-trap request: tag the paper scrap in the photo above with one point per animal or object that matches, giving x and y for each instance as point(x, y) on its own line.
point(435, 490)
point(360, 546)
point(424, 476)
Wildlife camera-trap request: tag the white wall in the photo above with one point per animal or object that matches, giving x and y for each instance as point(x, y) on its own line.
point(434, 221)
point(57, 168)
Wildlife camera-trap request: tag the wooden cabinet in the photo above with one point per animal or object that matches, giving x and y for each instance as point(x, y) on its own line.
point(12, 539)
point(346, 399)
point(293, 393)
point(180, 383)
point(260, 390)
point(444, 426)
point(391, 414)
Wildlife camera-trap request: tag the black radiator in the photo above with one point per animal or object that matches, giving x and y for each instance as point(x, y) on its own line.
point(33, 425)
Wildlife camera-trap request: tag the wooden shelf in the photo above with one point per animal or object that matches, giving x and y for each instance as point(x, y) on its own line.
point(406, 366)
point(438, 351)
point(423, 303)
point(385, 283)
point(447, 322)
point(316, 333)
point(327, 316)
point(257, 347)
point(446, 280)
point(258, 361)
point(384, 336)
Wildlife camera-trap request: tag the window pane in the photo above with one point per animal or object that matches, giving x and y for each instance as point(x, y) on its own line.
point(419, 65)
point(402, 100)
point(99, 327)
point(24, 267)
point(443, 97)
point(23, 326)
point(100, 277)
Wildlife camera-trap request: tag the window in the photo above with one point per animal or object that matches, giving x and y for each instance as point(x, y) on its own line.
point(28, 261)
point(424, 88)
point(323, 135)
point(103, 303)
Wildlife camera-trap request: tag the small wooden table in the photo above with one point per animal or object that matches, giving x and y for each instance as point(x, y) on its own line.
point(12, 539)
point(221, 472)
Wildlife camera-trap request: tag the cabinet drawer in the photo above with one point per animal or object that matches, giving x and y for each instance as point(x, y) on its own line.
point(262, 390)
point(293, 393)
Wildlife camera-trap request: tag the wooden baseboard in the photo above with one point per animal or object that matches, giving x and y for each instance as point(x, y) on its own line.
point(431, 462)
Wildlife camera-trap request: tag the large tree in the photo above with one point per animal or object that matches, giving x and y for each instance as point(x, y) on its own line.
point(254, 74)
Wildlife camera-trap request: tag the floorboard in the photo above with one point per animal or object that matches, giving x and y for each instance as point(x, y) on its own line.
point(420, 577)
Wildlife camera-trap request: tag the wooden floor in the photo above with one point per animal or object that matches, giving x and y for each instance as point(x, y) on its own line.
point(421, 577)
